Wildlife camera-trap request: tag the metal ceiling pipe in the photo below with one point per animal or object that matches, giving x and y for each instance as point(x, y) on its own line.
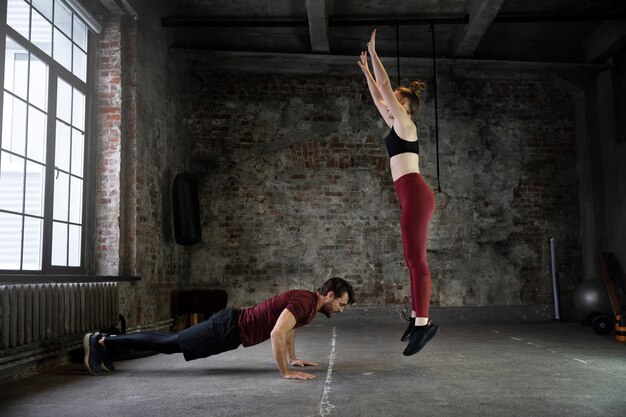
point(212, 21)
point(559, 18)
point(347, 21)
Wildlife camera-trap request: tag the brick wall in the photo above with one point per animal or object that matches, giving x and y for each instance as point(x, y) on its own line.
point(509, 159)
point(138, 153)
point(295, 185)
point(160, 155)
point(295, 188)
point(109, 146)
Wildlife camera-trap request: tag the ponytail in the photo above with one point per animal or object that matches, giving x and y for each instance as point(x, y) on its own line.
point(417, 87)
point(412, 94)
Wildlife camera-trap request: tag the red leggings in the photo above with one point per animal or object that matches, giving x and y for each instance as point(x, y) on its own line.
point(417, 202)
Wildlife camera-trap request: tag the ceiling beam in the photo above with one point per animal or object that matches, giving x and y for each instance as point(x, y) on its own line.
point(281, 63)
point(317, 13)
point(607, 40)
point(481, 14)
point(118, 7)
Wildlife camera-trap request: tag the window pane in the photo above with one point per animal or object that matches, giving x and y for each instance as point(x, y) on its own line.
point(78, 140)
point(64, 101)
point(33, 242)
point(10, 240)
point(76, 200)
point(62, 49)
point(37, 132)
point(62, 147)
point(38, 93)
point(11, 182)
point(14, 125)
point(16, 69)
point(41, 33)
point(45, 7)
point(26, 147)
point(35, 183)
point(78, 107)
point(18, 13)
point(63, 17)
point(80, 64)
point(61, 195)
point(80, 33)
point(74, 245)
point(59, 244)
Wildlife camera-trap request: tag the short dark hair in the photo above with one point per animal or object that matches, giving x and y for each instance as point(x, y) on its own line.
point(339, 286)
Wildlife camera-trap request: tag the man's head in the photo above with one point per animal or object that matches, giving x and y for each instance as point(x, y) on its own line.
point(336, 294)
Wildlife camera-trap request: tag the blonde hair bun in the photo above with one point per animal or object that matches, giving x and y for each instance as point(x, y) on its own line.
point(417, 87)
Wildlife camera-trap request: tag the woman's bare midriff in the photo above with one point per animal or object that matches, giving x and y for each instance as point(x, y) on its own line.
point(404, 163)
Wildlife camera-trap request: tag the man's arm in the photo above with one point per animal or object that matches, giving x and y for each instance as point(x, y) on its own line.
point(280, 337)
point(291, 352)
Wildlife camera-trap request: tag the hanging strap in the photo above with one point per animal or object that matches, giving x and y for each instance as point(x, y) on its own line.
point(398, 52)
point(438, 189)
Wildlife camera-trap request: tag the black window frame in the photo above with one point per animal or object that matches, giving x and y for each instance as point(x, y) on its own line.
point(56, 71)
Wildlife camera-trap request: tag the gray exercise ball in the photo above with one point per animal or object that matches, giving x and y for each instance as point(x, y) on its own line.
point(590, 298)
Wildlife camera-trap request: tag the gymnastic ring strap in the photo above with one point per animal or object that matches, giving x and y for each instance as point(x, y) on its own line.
point(446, 198)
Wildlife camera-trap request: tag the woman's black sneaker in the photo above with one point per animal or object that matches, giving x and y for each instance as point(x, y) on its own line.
point(418, 337)
point(407, 332)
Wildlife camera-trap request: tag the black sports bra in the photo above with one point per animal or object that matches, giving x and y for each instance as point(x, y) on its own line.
point(396, 145)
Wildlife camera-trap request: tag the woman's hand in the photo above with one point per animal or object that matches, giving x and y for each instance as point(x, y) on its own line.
point(371, 45)
point(363, 63)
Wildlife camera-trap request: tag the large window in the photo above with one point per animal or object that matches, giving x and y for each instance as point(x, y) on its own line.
point(44, 139)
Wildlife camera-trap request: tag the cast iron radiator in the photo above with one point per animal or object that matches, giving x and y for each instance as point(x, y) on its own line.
point(42, 314)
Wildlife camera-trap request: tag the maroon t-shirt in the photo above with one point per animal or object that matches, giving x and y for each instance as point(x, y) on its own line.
point(256, 323)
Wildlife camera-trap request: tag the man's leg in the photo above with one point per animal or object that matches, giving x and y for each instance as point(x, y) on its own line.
point(143, 341)
point(96, 347)
point(220, 333)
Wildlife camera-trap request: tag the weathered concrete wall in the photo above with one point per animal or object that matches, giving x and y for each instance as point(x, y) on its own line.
point(612, 105)
point(296, 188)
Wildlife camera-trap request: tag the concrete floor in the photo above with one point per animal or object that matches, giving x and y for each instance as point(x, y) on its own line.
point(468, 369)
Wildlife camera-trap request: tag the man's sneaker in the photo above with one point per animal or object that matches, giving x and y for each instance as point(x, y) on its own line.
point(93, 353)
point(419, 336)
point(407, 332)
point(107, 362)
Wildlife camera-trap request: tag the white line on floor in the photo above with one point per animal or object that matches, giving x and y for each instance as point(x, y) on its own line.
point(325, 406)
point(541, 347)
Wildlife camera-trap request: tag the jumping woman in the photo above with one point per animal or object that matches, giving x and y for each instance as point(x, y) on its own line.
point(417, 200)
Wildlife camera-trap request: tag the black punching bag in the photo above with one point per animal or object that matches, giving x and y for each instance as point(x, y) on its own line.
point(186, 208)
